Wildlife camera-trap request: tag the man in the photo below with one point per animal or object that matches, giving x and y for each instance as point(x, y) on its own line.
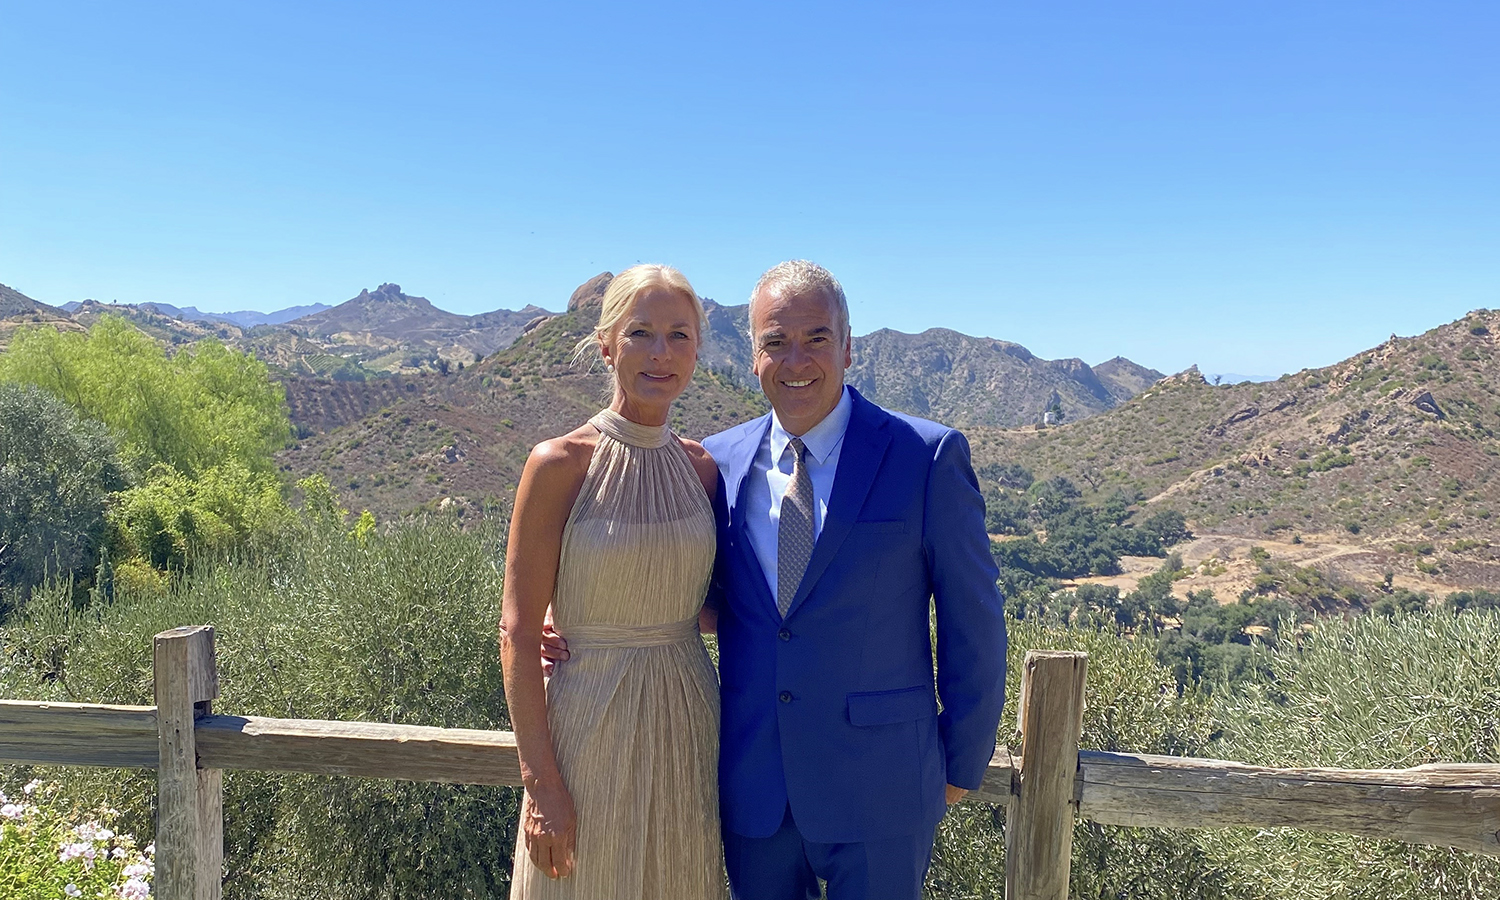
point(838, 522)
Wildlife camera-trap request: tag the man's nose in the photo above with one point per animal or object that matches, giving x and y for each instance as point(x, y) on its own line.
point(796, 355)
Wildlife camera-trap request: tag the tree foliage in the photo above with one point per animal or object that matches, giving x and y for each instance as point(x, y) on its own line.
point(171, 518)
point(56, 471)
point(1061, 536)
point(192, 410)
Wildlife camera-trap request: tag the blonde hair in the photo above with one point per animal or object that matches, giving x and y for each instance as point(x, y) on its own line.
point(621, 294)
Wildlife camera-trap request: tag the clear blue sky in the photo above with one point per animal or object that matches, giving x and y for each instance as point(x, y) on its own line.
point(1254, 187)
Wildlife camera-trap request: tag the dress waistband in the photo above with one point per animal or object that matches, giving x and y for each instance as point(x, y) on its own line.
point(604, 637)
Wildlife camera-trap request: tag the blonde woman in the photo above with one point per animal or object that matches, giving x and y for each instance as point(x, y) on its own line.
point(614, 528)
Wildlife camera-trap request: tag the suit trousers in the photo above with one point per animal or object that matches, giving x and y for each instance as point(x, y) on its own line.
point(786, 866)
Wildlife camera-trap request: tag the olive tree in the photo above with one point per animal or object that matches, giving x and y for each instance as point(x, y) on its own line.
point(56, 471)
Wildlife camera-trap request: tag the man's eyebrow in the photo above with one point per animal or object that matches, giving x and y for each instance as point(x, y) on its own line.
point(772, 335)
point(821, 329)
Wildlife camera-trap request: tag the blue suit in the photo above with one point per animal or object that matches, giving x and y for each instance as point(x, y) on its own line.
point(831, 713)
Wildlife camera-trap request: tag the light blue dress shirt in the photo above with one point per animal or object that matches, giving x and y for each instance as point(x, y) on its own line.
point(769, 482)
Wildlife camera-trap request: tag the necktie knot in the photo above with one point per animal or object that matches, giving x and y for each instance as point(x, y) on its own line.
point(799, 450)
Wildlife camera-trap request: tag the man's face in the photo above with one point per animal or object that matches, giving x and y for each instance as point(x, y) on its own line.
point(800, 356)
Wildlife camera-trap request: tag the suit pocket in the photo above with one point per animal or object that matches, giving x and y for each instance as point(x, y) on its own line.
point(890, 707)
point(878, 527)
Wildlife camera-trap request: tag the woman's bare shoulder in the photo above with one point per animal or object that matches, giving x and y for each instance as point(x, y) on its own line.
point(565, 458)
point(703, 464)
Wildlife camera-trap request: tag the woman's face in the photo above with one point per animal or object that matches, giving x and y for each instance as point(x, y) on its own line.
point(654, 348)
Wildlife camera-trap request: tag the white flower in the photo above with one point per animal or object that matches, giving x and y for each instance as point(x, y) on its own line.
point(136, 870)
point(31, 786)
point(150, 849)
point(135, 889)
point(12, 810)
point(72, 890)
point(73, 851)
point(118, 853)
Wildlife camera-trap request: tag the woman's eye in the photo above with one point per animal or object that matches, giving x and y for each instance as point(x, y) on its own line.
point(639, 332)
point(679, 335)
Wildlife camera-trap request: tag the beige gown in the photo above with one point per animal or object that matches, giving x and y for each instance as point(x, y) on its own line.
point(634, 711)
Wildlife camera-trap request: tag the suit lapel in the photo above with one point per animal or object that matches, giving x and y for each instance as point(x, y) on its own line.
point(736, 484)
point(865, 441)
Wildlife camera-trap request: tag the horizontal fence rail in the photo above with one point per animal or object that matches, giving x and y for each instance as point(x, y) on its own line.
point(1449, 804)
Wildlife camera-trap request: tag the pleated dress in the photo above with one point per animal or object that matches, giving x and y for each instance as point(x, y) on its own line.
point(634, 711)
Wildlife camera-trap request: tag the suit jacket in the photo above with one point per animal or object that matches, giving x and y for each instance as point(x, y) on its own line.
point(833, 709)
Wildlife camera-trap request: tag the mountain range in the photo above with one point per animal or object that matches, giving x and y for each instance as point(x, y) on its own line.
point(1382, 468)
point(939, 373)
point(245, 318)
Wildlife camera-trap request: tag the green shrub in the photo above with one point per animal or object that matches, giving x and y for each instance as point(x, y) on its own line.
point(196, 409)
point(1131, 704)
point(56, 472)
point(394, 627)
point(49, 849)
point(171, 518)
point(1370, 692)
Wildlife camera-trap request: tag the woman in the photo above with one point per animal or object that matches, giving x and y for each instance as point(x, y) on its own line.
point(613, 526)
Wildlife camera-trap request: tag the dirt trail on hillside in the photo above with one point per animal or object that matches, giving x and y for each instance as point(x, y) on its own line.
point(1222, 563)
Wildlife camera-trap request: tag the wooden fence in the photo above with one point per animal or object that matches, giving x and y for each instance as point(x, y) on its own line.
point(1047, 787)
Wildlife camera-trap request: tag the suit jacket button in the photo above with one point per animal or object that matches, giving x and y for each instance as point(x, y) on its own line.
point(785, 697)
point(784, 634)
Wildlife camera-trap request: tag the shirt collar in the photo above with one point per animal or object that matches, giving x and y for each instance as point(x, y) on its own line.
point(822, 438)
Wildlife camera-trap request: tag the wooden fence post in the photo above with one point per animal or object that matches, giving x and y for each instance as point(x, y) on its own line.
point(1039, 821)
point(190, 800)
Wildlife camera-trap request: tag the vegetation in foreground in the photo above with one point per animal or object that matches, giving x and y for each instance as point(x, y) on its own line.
point(50, 849)
point(397, 625)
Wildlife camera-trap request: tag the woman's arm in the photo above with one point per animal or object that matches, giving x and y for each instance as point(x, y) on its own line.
point(549, 484)
point(708, 473)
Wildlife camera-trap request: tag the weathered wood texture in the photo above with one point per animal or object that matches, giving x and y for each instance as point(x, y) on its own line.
point(367, 749)
point(190, 799)
point(998, 785)
point(1448, 805)
point(1039, 823)
point(78, 734)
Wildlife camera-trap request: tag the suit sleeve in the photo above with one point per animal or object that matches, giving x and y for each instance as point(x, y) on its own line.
point(971, 639)
point(715, 598)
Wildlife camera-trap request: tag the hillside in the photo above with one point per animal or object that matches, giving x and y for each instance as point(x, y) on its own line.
point(949, 376)
point(1388, 460)
point(966, 381)
point(386, 330)
point(459, 441)
point(18, 311)
point(168, 329)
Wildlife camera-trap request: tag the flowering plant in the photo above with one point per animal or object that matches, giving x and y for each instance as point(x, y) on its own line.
point(44, 855)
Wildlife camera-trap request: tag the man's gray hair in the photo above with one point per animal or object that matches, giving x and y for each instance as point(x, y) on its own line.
point(799, 277)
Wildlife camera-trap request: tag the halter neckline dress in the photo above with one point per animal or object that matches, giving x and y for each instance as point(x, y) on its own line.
point(634, 711)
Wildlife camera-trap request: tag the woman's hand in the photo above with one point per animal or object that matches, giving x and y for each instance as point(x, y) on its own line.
point(550, 825)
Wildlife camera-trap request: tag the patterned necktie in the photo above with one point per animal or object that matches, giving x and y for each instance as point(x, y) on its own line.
point(794, 537)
